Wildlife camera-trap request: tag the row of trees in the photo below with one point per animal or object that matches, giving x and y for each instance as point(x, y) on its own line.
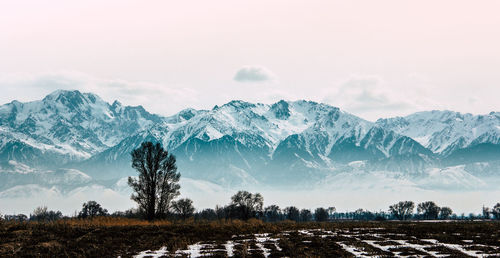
point(182, 209)
point(426, 210)
point(39, 214)
point(245, 205)
point(429, 210)
point(252, 208)
point(491, 212)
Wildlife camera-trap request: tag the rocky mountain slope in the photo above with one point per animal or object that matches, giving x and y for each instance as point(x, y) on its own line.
point(456, 138)
point(242, 142)
point(66, 126)
point(289, 143)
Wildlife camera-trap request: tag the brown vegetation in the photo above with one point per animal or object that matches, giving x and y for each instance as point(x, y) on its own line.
point(112, 237)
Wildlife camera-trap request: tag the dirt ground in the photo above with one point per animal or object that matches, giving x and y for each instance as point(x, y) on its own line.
point(251, 239)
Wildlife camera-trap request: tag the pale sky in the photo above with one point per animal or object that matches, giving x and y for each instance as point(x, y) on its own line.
point(371, 58)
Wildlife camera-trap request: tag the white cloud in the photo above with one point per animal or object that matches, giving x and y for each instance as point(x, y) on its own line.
point(155, 97)
point(371, 97)
point(254, 74)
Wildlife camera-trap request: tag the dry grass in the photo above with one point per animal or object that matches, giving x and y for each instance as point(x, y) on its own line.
point(111, 237)
point(111, 222)
point(128, 222)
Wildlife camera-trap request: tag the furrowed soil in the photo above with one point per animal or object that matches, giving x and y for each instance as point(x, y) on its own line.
point(113, 237)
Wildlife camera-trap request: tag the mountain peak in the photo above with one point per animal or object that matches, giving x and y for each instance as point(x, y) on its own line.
point(493, 113)
point(281, 110)
point(57, 93)
point(72, 98)
point(239, 104)
point(188, 113)
point(116, 104)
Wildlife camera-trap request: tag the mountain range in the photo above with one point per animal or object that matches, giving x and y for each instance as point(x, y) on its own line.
point(71, 139)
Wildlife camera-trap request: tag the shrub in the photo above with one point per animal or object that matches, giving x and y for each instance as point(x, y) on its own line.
point(18, 218)
point(43, 214)
point(92, 209)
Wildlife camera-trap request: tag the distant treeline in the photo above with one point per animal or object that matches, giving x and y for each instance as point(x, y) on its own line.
point(245, 205)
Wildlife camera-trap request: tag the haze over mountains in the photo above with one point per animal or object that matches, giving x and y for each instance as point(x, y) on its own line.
point(71, 140)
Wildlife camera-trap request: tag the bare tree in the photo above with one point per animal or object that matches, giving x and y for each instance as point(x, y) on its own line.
point(486, 212)
point(402, 210)
point(220, 212)
point(496, 211)
point(305, 215)
point(207, 214)
point(445, 212)
point(157, 184)
point(331, 212)
point(92, 209)
point(321, 214)
point(429, 210)
point(43, 214)
point(272, 213)
point(292, 213)
point(245, 205)
point(183, 207)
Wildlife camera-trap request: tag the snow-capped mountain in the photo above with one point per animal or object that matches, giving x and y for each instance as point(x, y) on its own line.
point(457, 138)
point(242, 142)
point(77, 135)
point(66, 126)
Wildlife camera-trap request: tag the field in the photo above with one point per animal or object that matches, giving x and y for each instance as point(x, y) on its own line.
point(111, 237)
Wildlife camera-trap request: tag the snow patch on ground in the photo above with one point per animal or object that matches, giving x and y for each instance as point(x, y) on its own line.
point(162, 252)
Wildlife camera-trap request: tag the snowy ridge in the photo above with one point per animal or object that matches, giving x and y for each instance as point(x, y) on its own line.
point(240, 119)
point(446, 131)
point(265, 125)
point(71, 124)
point(242, 143)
